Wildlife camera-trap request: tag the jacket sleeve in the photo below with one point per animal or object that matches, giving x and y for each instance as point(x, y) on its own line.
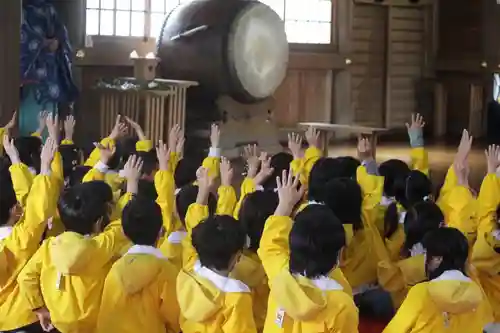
point(247, 187)
point(95, 155)
point(461, 214)
point(165, 187)
point(226, 201)
point(239, 317)
point(420, 160)
point(372, 187)
point(488, 201)
point(274, 250)
point(22, 180)
point(110, 242)
point(311, 156)
point(195, 215)
point(406, 317)
point(450, 182)
point(169, 306)
point(29, 279)
point(212, 162)
point(348, 319)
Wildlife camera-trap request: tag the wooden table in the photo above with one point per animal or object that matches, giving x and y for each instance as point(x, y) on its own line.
point(326, 129)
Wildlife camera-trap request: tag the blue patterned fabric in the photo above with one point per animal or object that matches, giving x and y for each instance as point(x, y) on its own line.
point(48, 74)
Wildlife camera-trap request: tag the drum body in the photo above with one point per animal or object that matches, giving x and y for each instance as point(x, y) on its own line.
point(231, 47)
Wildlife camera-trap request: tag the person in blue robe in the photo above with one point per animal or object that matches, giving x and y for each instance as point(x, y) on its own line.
point(46, 77)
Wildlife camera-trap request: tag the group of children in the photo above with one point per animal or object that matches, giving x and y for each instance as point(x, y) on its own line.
point(139, 238)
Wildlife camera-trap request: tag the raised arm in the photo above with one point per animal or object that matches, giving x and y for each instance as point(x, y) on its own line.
point(119, 130)
point(165, 186)
point(419, 156)
point(227, 196)
point(212, 162)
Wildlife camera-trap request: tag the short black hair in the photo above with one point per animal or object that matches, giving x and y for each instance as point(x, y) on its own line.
point(418, 187)
point(255, 209)
point(77, 175)
point(29, 148)
point(451, 245)
point(316, 240)
point(344, 198)
point(279, 162)
point(150, 161)
point(392, 170)
point(71, 158)
point(185, 172)
point(187, 196)
point(325, 169)
point(83, 205)
point(142, 221)
point(217, 240)
point(147, 189)
point(7, 197)
point(421, 219)
point(348, 166)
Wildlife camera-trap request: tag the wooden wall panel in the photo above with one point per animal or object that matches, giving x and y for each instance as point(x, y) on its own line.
point(10, 18)
point(368, 64)
point(406, 52)
point(305, 95)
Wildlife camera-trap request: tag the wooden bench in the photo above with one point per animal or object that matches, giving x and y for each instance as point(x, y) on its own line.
point(326, 129)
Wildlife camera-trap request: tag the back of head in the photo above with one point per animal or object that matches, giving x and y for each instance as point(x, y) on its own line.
point(85, 205)
point(147, 189)
point(316, 240)
point(324, 170)
point(150, 162)
point(446, 249)
point(128, 147)
point(418, 187)
point(71, 157)
point(348, 166)
point(185, 172)
point(279, 162)
point(7, 197)
point(29, 148)
point(77, 175)
point(344, 198)
point(142, 221)
point(421, 219)
point(392, 170)
point(218, 240)
point(255, 210)
point(187, 196)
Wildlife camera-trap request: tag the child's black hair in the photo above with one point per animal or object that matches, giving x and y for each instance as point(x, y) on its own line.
point(185, 172)
point(421, 219)
point(29, 148)
point(71, 158)
point(150, 162)
point(348, 166)
point(218, 240)
point(449, 244)
point(316, 240)
point(83, 205)
point(324, 170)
point(147, 189)
point(255, 209)
point(392, 170)
point(344, 198)
point(187, 196)
point(418, 187)
point(7, 197)
point(77, 175)
point(279, 162)
point(142, 221)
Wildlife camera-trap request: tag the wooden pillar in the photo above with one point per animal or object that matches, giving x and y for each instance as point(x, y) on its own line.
point(10, 32)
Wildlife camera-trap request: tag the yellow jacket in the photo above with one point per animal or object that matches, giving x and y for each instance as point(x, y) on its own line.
point(17, 245)
point(67, 276)
point(223, 304)
point(449, 303)
point(247, 186)
point(140, 294)
point(484, 257)
point(297, 304)
point(303, 166)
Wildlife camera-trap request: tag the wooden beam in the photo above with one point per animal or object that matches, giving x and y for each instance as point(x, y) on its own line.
point(388, 68)
point(396, 2)
point(308, 60)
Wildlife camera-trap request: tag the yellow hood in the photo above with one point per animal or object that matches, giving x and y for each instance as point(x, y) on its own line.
point(138, 268)
point(302, 298)
point(249, 269)
point(71, 253)
point(455, 293)
point(207, 288)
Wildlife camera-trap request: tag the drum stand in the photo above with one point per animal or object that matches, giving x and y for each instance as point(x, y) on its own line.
point(245, 124)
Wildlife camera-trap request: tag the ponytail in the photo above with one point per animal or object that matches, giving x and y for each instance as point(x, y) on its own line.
point(391, 220)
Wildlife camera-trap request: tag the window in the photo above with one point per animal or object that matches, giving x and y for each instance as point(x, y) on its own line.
point(136, 18)
point(306, 21)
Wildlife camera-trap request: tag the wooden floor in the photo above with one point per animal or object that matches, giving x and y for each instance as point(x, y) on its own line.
point(440, 158)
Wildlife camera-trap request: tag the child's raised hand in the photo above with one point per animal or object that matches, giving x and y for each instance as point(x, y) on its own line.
point(464, 147)
point(364, 149)
point(173, 136)
point(12, 122)
point(137, 128)
point(265, 169)
point(289, 193)
point(295, 145)
point(106, 152)
point(416, 130)
point(119, 130)
point(251, 156)
point(69, 127)
point(132, 171)
point(226, 172)
point(10, 149)
point(163, 154)
point(214, 136)
point(492, 158)
point(462, 172)
point(42, 121)
point(312, 137)
point(205, 183)
point(53, 126)
point(417, 122)
point(48, 151)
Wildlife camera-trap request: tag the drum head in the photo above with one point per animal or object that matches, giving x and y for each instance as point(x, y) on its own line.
point(258, 50)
